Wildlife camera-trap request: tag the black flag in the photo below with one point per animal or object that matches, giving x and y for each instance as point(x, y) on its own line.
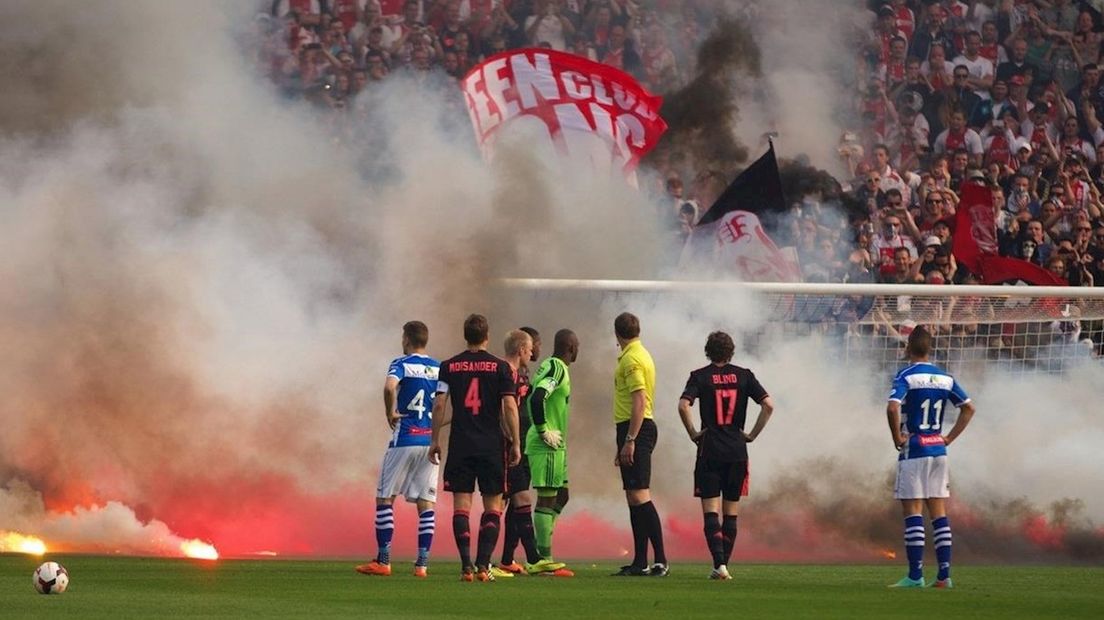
point(758, 189)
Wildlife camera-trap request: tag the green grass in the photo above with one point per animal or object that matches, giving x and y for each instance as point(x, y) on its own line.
point(113, 587)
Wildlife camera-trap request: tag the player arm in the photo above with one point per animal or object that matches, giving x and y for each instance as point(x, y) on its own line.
point(687, 417)
point(766, 408)
point(893, 416)
point(965, 414)
point(390, 396)
point(510, 420)
point(442, 415)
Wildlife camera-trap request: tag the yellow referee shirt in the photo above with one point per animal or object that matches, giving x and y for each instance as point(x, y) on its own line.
point(635, 370)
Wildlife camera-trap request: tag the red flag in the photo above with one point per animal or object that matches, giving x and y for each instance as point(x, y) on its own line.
point(590, 110)
point(975, 243)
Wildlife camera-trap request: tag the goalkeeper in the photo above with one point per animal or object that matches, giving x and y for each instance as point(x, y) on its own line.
point(546, 444)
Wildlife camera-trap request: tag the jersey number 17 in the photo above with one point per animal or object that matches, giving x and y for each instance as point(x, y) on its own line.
point(726, 405)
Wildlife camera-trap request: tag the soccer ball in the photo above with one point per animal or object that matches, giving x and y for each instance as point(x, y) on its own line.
point(50, 578)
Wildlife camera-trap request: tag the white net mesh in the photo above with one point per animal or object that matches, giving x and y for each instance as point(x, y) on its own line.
point(972, 332)
point(977, 328)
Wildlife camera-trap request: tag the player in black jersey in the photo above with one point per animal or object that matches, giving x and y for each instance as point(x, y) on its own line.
point(722, 390)
point(484, 440)
point(519, 500)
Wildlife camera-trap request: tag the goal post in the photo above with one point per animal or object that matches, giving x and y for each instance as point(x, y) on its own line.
point(977, 328)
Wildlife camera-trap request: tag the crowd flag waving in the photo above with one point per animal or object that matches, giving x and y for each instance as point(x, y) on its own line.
point(975, 244)
point(592, 112)
point(730, 238)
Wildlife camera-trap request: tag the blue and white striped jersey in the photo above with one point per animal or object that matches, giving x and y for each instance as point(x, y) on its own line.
point(417, 375)
point(923, 390)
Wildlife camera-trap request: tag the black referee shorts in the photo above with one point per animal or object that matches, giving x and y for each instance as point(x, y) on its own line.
point(638, 475)
point(462, 471)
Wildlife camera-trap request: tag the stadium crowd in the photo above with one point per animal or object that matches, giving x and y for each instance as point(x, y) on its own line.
point(1006, 91)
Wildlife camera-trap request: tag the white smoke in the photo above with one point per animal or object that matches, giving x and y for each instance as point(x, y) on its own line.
point(201, 289)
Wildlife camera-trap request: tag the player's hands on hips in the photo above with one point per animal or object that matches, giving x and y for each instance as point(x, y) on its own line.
point(625, 457)
point(696, 436)
point(393, 419)
point(515, 455)
point(552, 438)
point(435, 454)
point(747, 438)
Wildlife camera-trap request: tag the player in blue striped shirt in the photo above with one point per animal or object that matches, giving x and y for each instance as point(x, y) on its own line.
point(408, 394)
point(916, 408)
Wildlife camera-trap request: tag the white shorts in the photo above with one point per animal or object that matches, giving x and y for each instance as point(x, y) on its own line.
point(406, 471)
point(922, 478)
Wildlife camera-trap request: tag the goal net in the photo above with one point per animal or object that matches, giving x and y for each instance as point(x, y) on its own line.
point(1016, 329)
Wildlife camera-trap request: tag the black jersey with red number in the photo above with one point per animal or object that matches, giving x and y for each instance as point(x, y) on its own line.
point(476, 383)
point(724, 392)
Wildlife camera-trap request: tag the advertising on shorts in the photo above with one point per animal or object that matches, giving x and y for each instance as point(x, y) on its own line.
point(590, 111)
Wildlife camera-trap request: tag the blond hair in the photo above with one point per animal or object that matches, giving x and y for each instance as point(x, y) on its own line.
point(515, 340)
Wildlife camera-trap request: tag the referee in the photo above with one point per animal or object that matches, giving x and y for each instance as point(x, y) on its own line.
point(633, 396)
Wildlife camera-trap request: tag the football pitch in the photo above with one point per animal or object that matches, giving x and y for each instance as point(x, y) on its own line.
point(118, 587)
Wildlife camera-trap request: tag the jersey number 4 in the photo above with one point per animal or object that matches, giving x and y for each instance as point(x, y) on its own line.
point(417, 404)
point(726, 405)
point(471, 399)
point(928, 407)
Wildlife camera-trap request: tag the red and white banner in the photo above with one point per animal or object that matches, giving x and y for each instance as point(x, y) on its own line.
point(592, 112)
point(737, 245)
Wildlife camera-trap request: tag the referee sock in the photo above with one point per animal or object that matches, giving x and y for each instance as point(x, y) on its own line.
point(461, 531)
point(489, 525)
point(510, 537)
point(385, 530)
point(729, 528)
point(914, 545)
point(640, 536)
point(544, 520)
point(426, 527)
point(523, 519)
point(941, 534)
point(714, 540)
point(655, 531)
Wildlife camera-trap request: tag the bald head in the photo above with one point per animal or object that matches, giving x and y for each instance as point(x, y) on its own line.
point(566, 346)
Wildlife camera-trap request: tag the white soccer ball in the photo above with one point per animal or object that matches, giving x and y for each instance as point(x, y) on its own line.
point(50, 578)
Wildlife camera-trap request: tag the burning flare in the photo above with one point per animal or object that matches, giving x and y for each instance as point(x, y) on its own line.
point(14, 542)
point(196, 548)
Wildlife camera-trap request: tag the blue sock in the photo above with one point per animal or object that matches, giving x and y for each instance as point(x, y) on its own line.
point(914, 545)
point(385, 529)
point(426, 527)
point(941, 533)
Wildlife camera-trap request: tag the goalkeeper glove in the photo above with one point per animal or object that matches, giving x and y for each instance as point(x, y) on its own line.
point(552, 438)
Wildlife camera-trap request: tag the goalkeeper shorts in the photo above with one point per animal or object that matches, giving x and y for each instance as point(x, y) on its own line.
point(548, 469)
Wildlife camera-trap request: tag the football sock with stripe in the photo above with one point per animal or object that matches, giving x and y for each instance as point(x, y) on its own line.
point(461, 531)
point(729, 529)
point(544, 519)
point(714, 540)
point(523, 518)
point(655, 531)
point(941, 534)
point(385, 530)
point(489, 525)
point(914, 545)
point(640, 536)
point(511, 535)
point(426, 527)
